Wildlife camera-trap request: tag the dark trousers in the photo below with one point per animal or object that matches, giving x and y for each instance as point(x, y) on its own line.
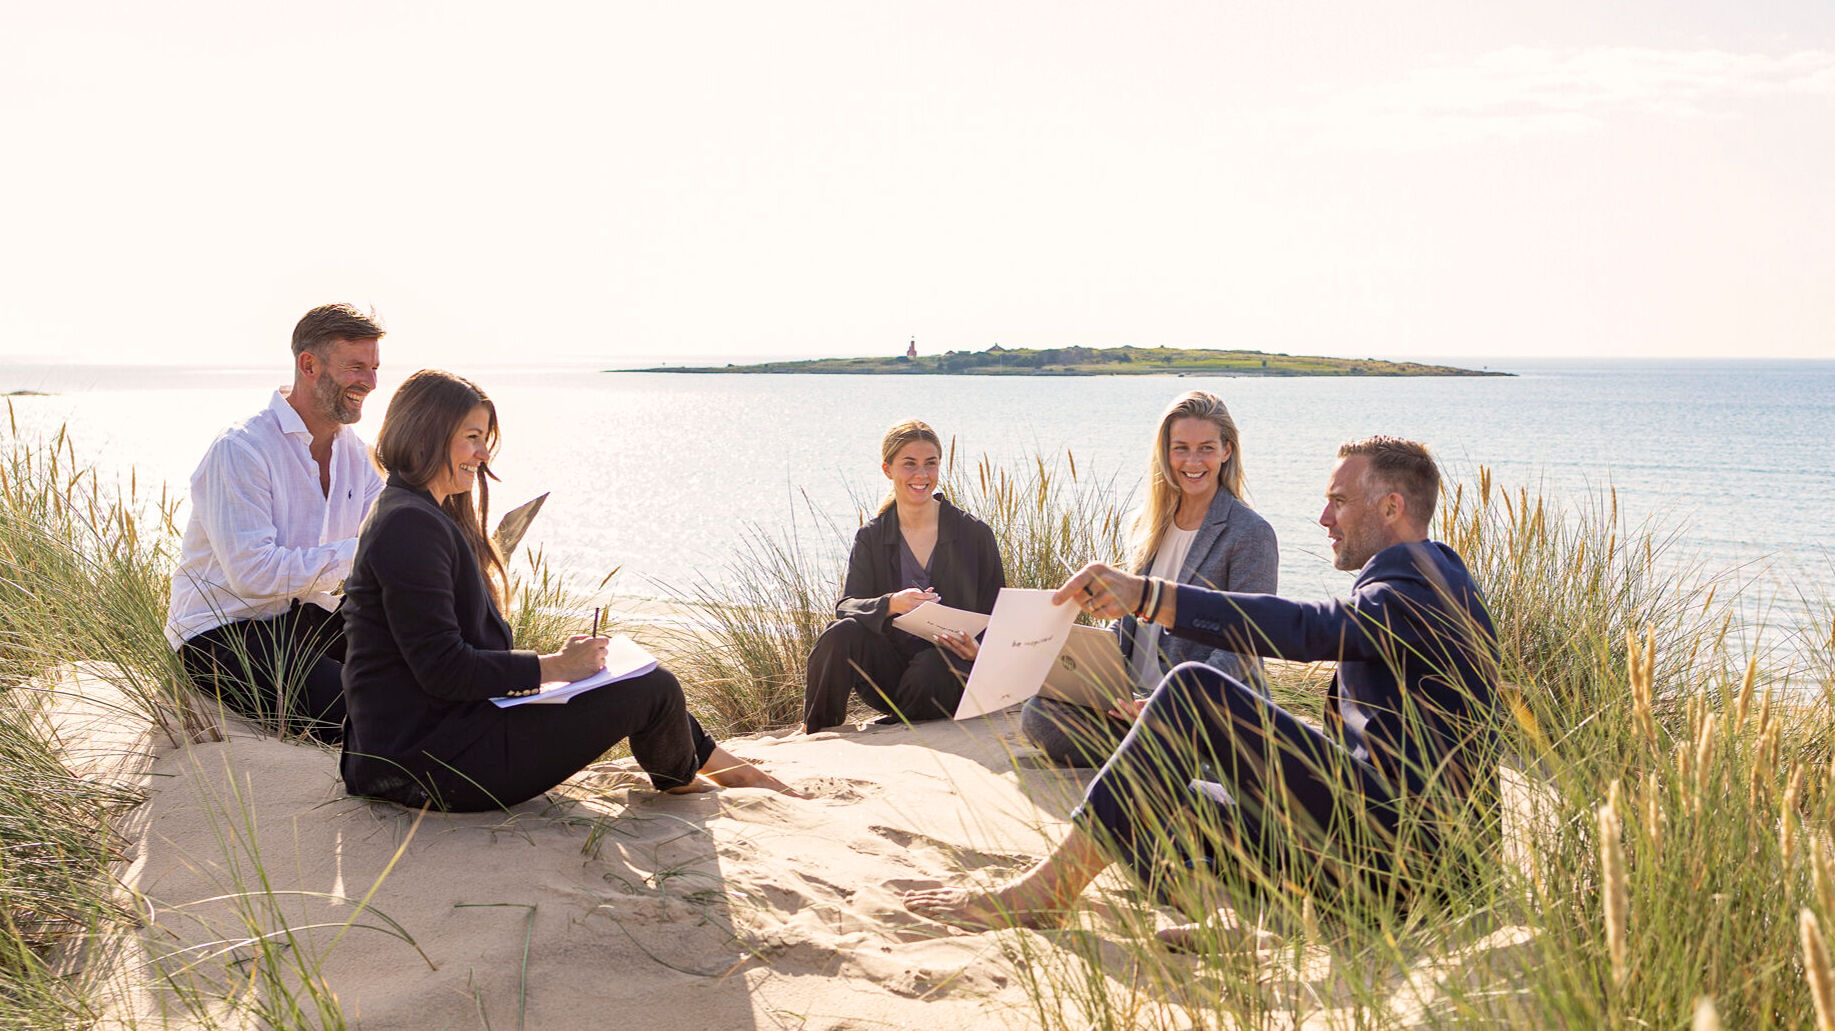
point(909, 679)
point(1214, 774)
point(531, 748)
point(285, 673)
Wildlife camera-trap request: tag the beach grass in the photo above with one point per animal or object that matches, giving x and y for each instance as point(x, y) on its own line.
point(1667, 845)
point(743, 661)
point(1666, 848)
point(1669, 801)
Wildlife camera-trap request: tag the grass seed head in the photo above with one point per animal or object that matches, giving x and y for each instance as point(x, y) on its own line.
point(1617, 901)
point(1816, 970)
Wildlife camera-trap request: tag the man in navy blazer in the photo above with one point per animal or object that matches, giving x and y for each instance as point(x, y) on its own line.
point(1213, 773)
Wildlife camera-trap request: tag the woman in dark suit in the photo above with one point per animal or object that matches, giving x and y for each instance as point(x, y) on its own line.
point(920, 548)
point(427, 645)
point(1193, 529)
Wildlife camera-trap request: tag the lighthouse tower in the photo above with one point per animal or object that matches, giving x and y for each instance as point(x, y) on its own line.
point(911, 352)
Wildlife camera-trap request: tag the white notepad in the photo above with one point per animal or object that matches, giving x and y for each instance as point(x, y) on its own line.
point(930, 617)
point(624, 659)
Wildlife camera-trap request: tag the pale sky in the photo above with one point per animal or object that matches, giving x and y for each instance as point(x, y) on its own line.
point(604, 180)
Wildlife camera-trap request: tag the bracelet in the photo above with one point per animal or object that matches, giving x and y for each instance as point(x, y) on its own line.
point(1150, 600)
point(1159, 595)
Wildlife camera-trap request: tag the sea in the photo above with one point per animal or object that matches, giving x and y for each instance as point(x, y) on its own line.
point(662, 476)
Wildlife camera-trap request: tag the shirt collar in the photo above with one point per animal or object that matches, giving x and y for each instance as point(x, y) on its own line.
point(290, 422)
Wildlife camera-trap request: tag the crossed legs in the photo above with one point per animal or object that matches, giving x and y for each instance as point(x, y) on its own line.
point(1153, 806)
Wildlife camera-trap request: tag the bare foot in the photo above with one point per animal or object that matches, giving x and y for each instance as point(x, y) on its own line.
point(729, 771)
point(1222, 931)
point(693, 787)
point(745, 775)
point(1005, 906)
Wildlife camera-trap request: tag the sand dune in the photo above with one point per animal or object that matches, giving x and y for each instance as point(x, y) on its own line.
point(607, 901)
point(605, 905)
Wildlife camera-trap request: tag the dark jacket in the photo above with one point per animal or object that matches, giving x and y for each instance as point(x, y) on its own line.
point(965, 569)
point(425, 648)
point(1417, 661)
point(1234, 550)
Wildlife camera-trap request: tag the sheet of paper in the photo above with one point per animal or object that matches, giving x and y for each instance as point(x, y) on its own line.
point(1024, 635)
point(930, 617)
point(624, 659)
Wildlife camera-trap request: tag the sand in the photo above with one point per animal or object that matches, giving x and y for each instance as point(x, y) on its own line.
point(605, 905)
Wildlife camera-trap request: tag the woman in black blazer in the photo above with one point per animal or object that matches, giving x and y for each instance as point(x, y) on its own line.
point(427, 645)
point(920, 548)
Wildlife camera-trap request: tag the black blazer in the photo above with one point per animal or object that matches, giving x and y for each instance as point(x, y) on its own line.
point(424, 647)
point(965, 568)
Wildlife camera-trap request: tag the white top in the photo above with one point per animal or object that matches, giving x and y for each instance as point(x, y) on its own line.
point(261, 533)
point(1145, 662)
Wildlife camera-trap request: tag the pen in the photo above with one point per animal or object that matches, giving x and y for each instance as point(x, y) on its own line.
point(595, 622)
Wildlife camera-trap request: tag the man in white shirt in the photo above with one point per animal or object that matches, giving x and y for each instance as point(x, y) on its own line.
point(275, 508)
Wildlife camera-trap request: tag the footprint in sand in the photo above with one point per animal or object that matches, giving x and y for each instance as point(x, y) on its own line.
point(904, 846)
point(841, 790)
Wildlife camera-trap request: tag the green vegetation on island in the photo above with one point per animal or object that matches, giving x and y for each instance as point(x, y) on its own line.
point(1094, 361)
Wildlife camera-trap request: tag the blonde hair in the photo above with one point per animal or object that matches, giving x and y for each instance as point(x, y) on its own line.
point(1155, 516)
point(908, 432)
point(415, 443)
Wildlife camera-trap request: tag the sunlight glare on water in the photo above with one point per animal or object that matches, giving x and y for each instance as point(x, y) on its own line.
point(660, 474)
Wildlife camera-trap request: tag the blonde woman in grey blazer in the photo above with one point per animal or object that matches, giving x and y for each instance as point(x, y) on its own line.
point(1194, 529)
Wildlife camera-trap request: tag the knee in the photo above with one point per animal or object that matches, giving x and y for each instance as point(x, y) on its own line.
point(1039, 725)
point(1197, 680)
point(840, 636)
point(1055, 729)
point(1192, 689)
point(657, 690)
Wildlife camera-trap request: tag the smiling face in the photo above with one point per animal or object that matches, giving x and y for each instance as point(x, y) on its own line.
point(913, 472)
point(466, 454)
point(1195, 453)
point(338, 380)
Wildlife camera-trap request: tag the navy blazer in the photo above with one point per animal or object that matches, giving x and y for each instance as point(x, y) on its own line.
point(1414, 693)
point(965, 569)
point(424, 646)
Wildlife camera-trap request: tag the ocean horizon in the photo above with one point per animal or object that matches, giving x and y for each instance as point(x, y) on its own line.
point(662, 475)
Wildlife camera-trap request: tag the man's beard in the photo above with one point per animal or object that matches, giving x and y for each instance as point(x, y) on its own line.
point(332, 401)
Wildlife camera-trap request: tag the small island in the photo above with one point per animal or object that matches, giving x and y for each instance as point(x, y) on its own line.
point(1092, 361)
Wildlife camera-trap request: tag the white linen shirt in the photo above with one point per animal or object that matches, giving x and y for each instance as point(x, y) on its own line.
point(261, 533)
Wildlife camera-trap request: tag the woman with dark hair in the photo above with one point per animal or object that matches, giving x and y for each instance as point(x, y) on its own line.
point(918, 549)
point(428, 647)
point(1193, 529)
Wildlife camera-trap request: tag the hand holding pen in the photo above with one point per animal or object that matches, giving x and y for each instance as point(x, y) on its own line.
point(581, 657)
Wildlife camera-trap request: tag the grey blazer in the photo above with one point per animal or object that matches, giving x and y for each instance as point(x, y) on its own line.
point(1235, 550)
